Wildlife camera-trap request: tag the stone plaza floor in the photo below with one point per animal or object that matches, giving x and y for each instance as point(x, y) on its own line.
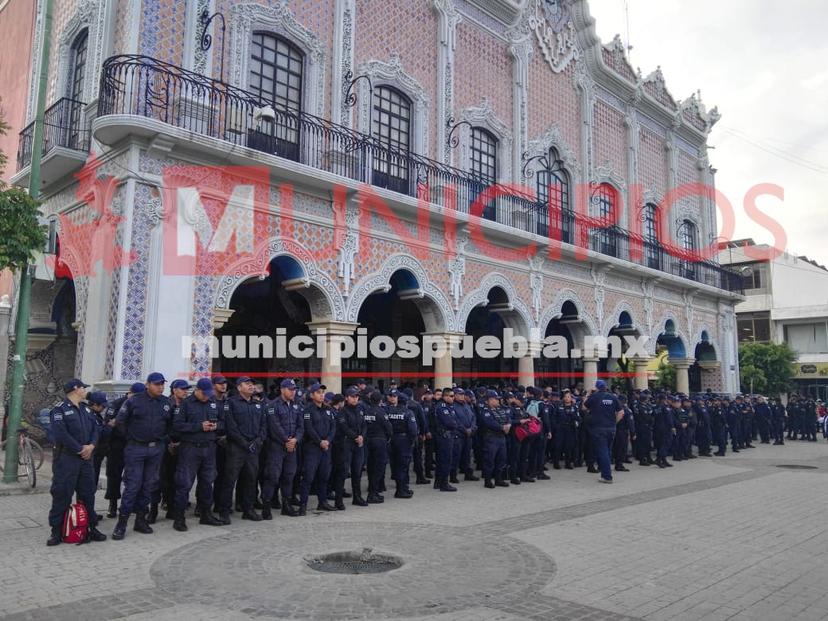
point(715, 538)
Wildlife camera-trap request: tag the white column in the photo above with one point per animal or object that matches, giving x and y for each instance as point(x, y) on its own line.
point(521, 50)
point(448, 19)
point(333, 333)
point(641, 372)
point(343, 59)
point(443, 365)
point(682, 375)
point(590, 373)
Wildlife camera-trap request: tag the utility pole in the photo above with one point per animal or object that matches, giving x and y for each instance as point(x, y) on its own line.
point(21, 340)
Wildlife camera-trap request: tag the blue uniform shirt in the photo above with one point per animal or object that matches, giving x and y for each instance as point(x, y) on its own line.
point(245, 422)
point(320, 424)
point(284, 421)
point(73, 426)
point(146, 419)
point(191, 414)
point(602, 407)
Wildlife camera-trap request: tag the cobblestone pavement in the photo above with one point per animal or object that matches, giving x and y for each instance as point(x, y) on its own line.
point(736, 537)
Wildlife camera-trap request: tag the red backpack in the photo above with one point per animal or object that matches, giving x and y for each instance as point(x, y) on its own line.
point(75, 524)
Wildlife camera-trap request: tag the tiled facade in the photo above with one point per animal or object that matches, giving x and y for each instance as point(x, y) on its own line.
point(606, 122)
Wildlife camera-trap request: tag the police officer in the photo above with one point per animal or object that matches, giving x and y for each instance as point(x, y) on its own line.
point(644, 418)
point(403, 435)
point(285, 430)
point(117, 444)
point(746, 417)
point(763, 415)
point(604, 413)
point(75, 434)
point(465, 436)
point(349, 450)
point(378, 435)
point(244, 422)
point(197, 422)
point(718, 424)
point(517, 452)
point(448, 428)
point(495, 426)
point(146, 419)
point(420, 414)
point(320, 429)
point(221, 397)
point(537, 456)
point(179, 389)
point(96, 401)
point(809, 420)
point(734, 423)
point(624, 431)
point(664, 430)
point(692, 425)
point(778, 422)
point(703, 435)
point(566, 423)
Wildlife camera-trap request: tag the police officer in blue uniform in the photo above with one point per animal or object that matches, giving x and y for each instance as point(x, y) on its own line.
point(734, 423)
point(320, 429)
point(285, 430)
point(664, 430)
point(643, 412)
point(117, 445)
point(179, 389)
point(378, 435)
point(349, 450)
point(244, 423)
point(146, 419)
point(97, 403)
point(763, 419)
point(447, 430)
point(495, 426)
point(75, 434)
point(604, 413)
point(566, 420)
point(420, 414)
point(718, 425)
point(778, 422)
point(703, 434)
point(403, 435)
point(682, 420)
point(624, 431)
point(197, 422)
point(465, 436)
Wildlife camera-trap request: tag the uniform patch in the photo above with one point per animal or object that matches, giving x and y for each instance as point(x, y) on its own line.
point(166, 408)
point(213, 405)
point(58, 416)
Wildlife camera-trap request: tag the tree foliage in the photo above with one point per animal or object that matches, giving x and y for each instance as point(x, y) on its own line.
point(21, 234)
point(4, 128)
point(770, 365)
point(666, 376)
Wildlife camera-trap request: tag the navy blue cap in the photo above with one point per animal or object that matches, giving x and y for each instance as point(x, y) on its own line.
point(288, 383)
point(675, 398)
point(97, 398)
point(179, 383)
point(205, 385)
point(329, 396)
point(314, 387)
point(360, 381)
point(601, 385)
point(137, 387)
point(74, 383)
point(219, 379)
point(243, 379)
point(555, 393)
point(155, 378)
point(459, 391)
point(351, 391)
point(492, 394)
point(337, 398)
point(393, 393)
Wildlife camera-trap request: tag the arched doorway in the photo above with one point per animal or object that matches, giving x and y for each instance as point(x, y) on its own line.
point(615, 360)
point(562, 372)
point(704, 371)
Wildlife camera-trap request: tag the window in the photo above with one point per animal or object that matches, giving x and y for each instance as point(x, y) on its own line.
point(652, 253)
point(754, 328)
point(391, 126)
point(689, 242)
point(808, 338)
point(483, 166)
point(751, 275)
point(276, 73)
point(76, 83)
point(553, 189)
point(605, 240)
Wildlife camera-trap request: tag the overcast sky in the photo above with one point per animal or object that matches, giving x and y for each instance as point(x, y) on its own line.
point(765, 65)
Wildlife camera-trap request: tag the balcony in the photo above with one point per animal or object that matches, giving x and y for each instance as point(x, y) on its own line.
point(145, 87)
point(65, 142)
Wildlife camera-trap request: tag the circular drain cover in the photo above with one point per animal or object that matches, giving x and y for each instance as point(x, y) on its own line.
point(365, 562)
point(797, 467)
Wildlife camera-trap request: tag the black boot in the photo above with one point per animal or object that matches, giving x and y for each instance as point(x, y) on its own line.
point(113, 508)
point(489, 484)
point(141, 524)
point(288, 510)
point(224, 516)
point(569, 466)
point(453, 479)
point(208, 519)
point(501, 483)
point(252, 516)
point(358, 500)
point(303, 509)
point(374, 499)
point(180, 522)
point(592, 470)
point(661, 463)
point(152, 516)
point(324, 506)
point(621, 468)
point(470, 476)
point(54, 539)
point(275, 504)
point(422, 481)
point(120, 528)
point(445, 487)
point(556, 465)
point(403, 493)
point(267, 513)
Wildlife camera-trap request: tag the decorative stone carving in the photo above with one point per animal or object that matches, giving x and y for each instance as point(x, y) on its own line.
point(448, 17)
point(344, 58)
point(555, 33)
point(599, 279)
point(553, 138)
point(88, 15)
point(246, 18)
point(647, 288)
point(346, 242)
point(484, 116)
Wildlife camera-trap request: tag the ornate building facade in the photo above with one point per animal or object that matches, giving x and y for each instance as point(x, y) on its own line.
point(420, 105)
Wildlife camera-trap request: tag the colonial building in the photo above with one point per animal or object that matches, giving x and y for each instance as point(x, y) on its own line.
point(386, 119)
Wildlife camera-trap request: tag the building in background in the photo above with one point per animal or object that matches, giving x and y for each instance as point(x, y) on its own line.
point(410, 98)
point(786, 301)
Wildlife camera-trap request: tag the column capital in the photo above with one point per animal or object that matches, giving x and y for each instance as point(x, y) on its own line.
point(221, 316)
point(682, 363)
point(334, 328)
point(591, 359)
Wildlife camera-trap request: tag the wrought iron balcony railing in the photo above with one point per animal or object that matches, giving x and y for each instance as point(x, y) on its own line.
point(64, 125)
point(150, 88)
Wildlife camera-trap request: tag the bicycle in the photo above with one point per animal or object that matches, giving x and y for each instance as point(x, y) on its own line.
point(29, 456)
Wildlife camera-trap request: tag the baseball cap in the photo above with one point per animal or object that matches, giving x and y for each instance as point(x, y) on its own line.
point(329, 396)
point(179, 383)
point(393, 392)
point(492, 394)
point(74, 383)
point(600, 384)
point(155, 378)
point(219, 379)
point(205, 385)
point(243, 379)
point(288, 383)
point(314, 387)
point(137, 387)
point(351, 391)
point(97, 398)
point(459, 391)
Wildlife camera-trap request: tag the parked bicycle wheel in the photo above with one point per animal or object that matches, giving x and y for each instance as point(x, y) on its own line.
point(28, 463)
point(37, 452)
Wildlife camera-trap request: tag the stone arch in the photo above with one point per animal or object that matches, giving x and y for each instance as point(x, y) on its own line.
point(553, 138)
point(518, 316)
point(588, 326)
point(705, 331)
point(612, 319)
point(678, 332)
point(322, 294)
point(433, 305)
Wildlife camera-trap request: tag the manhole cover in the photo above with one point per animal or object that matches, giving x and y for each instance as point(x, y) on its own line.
point(797, 467)
point(365, 562)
